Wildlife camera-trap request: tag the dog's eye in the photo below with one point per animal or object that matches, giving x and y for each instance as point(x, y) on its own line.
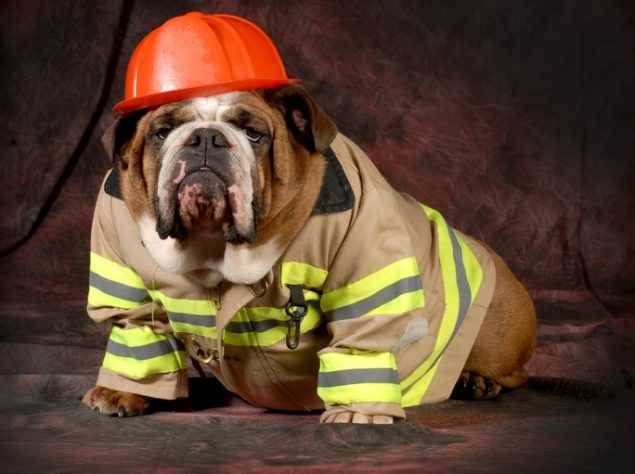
point(253, 135)
point(162, 133)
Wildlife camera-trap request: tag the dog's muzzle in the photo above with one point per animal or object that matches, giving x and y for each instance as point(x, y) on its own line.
point(202, 198)
point(202, 194)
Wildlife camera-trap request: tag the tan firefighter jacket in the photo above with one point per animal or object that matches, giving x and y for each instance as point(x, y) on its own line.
point(388, 298)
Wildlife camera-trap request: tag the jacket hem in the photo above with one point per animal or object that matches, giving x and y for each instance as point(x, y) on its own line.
point(168, 386)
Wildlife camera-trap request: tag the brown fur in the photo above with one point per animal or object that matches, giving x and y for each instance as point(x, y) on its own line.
point(507, 337)
point(112, 402)
point(289, 173)
point(138, 173)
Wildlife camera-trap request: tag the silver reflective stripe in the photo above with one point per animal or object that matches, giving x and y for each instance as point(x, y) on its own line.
point(254, 326)
point(465, 294)
point(355, 376)
point(145, 352)
point(383, 296)
point(118, 290)
point(193, 319)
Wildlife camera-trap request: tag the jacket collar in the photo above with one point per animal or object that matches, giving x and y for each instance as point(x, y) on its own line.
point(336, 194)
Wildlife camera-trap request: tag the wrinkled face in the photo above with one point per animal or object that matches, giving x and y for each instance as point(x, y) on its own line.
point(211, 152)
point(219, 171)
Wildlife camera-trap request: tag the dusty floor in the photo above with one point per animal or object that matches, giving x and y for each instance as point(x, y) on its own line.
point(524, 431)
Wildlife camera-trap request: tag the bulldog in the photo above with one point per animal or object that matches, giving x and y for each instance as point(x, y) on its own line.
point(235, 192)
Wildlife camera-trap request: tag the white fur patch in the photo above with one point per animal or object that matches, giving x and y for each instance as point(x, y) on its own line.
point(238, 263)
point(169, 253)
point(213, 107)
point(248, 265)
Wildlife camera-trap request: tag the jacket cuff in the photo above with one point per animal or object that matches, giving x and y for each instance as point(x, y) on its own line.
point(369, 409)
point(168, 386)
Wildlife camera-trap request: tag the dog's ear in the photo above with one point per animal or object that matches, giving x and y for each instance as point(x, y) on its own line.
point(305, 118)
point(119, 133)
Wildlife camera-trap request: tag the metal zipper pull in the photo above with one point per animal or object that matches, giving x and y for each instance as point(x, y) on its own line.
point(296, 309)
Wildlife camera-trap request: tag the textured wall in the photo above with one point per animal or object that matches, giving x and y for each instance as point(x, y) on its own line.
point(515, 119)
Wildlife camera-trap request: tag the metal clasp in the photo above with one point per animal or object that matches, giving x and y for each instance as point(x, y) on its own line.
point(196, 352)
point(296, 309)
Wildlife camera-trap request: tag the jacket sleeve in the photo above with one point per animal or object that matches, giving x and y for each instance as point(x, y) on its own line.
point(372, 292)
point(142, 356)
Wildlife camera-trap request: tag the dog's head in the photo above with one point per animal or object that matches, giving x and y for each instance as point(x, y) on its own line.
point(219, 169)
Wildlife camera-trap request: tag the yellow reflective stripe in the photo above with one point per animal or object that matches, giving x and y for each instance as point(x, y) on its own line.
point(311, 296)
point(139, 369)
point(402, 304)
point(203, 307)
point(139, 352)
point(356, 359)
point(114, 285)
point(450, 314)
point(98, 299)
point(360, 393)
point(298, 273)
point(196, 329)
point(188, 315)
point(114, 271)
point(269, 336)
point(416, 384)
point(261, 313)
point(418, 389)
point(370, 284)
point(358, 377)
point(473, 269)
point(135, 336)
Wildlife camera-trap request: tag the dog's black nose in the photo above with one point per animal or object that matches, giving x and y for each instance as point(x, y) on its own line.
point(207, 138)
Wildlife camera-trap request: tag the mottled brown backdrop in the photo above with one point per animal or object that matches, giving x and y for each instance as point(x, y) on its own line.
point(515, 119)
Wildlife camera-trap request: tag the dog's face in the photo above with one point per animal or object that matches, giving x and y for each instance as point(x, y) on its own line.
point(210, 172)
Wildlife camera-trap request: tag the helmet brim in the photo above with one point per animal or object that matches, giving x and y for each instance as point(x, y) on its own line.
point(162, 98)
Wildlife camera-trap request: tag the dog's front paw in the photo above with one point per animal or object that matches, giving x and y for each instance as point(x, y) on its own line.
point(112, 402)
point(350, 417)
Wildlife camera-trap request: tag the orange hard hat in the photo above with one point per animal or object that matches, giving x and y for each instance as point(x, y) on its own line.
point(198, 55)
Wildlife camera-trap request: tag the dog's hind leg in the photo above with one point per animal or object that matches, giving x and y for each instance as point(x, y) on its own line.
point(472, 386)
point(505, 341)
point(514, 380)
